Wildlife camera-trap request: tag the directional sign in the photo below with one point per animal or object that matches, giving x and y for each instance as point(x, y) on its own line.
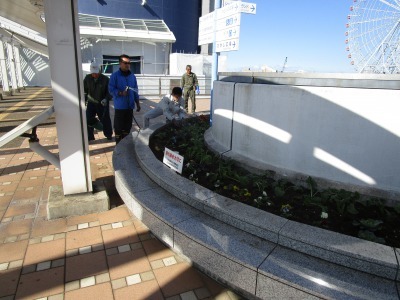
point(248, 8)
point(206, 39)
point(223, 25)
point(206, 29)
point(206, 22)
point(228, 45)
point(227, 34)
point(228, 10)
point(228, 29)
point(229, 21)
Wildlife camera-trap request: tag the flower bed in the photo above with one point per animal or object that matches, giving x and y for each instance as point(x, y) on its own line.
point(336, 210)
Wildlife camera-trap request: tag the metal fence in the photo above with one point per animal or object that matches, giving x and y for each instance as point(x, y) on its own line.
point(158, 85)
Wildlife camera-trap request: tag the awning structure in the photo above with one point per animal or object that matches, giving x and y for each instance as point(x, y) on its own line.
point(125, 29)
point(94, 27)
point(23, 36)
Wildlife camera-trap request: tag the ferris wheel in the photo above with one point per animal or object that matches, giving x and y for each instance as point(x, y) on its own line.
point(373, 36)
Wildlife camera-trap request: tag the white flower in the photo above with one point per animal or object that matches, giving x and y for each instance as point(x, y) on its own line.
point(187, 165)
point(324, 215)
point(264, 193)
point(191, 176)
point(208, 174)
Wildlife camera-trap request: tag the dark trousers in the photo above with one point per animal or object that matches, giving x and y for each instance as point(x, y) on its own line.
point(103, 113)
point(122, 123)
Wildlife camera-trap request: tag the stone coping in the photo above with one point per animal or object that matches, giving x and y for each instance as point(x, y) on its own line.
point(344, 80)
point(254, 252)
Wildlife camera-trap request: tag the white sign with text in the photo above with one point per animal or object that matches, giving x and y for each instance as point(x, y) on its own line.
point(173, 160)
point(206, 29)
point(227, 45)
point(247, 8)
point(227, 34)
point(223, 25)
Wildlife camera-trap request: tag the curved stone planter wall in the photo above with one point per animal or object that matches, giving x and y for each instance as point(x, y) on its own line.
point(343, 128)
point(258, 254)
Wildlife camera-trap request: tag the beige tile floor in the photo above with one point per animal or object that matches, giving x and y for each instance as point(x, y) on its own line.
point(108, 255)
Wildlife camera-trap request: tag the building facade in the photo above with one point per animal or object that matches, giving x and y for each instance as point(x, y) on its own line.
point(147, 30)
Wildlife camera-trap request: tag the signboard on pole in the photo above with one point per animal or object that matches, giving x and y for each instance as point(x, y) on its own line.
point(227, 34)
point(228, 21)
point(223, 25)
point(227, 28)
point(247, 8)
point(228, 10)
point(206, 28)
point(227, 45)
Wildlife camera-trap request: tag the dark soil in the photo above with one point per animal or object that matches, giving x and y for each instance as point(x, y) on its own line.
point(336, 210)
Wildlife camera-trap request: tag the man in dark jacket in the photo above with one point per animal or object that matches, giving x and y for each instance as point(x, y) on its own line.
point(124, 89)
point(97, 100)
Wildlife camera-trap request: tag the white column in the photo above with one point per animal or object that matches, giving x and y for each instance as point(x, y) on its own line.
point(18, 70)
point(3, 69)
point(67, 84)
point(205, 9)
point(10, 58)
point(214, 67)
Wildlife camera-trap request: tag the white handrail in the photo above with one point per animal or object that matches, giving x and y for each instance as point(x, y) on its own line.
point(27, 125)
point(33, 142)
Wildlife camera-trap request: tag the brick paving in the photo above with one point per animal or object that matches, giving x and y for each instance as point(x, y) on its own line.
point(107, 255)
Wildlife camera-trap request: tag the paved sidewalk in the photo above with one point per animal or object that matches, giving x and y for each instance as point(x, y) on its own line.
point(108, 255)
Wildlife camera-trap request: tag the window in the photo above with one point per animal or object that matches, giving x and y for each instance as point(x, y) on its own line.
point(111, 64)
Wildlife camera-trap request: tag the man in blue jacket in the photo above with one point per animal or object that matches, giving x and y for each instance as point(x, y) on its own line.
point(124, 89)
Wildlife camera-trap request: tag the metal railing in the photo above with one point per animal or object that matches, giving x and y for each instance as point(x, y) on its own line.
point(32, 123)
point(156, 85)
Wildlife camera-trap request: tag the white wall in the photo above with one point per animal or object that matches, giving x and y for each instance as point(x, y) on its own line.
point(35, 68)
point(155, 60)
point(342, 133)
point(201, 64)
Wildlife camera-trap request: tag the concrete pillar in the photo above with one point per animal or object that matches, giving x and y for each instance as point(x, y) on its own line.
point(67, 84)
point(206, 8)
point(3, 70)
point(10, 58)
point(214, 67)
point(18, 69)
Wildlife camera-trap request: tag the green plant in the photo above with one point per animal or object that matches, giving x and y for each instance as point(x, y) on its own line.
point(337, 210)
point(368, 227)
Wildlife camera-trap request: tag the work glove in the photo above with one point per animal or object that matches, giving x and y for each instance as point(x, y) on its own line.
point(197, 90)
point(104, 102)
point(95, 123)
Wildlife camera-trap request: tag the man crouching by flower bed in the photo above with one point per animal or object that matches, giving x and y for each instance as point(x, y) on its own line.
point(171, 106)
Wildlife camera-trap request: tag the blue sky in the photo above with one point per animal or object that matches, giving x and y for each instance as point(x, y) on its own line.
point(310, 33)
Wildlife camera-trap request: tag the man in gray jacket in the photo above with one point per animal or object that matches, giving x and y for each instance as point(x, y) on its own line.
point(171, 106)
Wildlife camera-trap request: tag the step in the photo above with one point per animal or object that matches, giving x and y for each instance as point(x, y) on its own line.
point(257, 254)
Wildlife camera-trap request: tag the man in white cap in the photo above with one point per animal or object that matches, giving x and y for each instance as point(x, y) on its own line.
point(97, 100)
